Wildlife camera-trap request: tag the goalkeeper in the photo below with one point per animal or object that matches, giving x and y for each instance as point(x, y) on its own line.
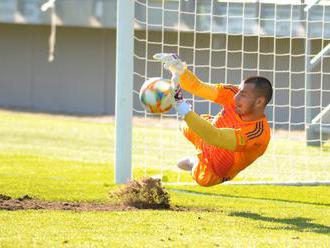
point(235, 137)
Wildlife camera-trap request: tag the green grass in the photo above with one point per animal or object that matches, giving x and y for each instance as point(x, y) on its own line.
point(71, 159)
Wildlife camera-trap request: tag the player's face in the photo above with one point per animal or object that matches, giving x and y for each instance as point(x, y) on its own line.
point(246, 99)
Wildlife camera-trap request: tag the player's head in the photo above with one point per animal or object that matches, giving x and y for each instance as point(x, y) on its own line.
point(254, 94)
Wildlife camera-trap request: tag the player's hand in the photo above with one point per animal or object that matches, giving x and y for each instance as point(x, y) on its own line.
point(171, 62)
point(181, 106)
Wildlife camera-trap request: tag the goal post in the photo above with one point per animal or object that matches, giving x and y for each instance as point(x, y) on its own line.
point(124, 90)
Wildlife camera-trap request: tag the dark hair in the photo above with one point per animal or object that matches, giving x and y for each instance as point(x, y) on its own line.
point(262, 85)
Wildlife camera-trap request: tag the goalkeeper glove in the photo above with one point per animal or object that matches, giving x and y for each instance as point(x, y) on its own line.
point(176, 67)
point(172, 63)
point(183, 108)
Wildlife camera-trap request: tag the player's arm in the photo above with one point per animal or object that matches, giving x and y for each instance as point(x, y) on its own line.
point(219, 93)
point(246, 139)
point(192, 84)
point(227, 138)
point(220, 137)
point(255, 137)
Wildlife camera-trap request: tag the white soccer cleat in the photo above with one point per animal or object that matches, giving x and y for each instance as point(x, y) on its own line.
point(187, 163)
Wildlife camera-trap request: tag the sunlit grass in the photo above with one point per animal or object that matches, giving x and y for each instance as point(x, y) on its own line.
point(72, 159)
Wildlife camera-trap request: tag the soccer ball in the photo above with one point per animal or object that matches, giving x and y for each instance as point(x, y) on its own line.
point(154, 95)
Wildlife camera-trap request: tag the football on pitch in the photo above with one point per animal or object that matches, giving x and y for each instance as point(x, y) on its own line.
point(154, 95)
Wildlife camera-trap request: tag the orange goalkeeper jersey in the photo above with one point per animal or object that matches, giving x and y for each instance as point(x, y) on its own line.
point(252, 137)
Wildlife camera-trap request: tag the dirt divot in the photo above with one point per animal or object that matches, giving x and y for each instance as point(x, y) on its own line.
point(29, 203)
point(26, 202)
point(147, 193)
point(4, 197)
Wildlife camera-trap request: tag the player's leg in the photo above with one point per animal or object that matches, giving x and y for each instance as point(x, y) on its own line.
point(187, 163)
point(203, 175)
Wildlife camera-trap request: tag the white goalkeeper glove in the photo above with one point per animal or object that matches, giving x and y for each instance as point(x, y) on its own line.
point(176, 67)
point(173, 64)
point(183, 108)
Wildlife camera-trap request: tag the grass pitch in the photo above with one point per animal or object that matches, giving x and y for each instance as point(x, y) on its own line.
point(57, 158)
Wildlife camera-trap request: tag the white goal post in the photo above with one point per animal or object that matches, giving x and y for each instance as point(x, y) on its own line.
point(124, 90)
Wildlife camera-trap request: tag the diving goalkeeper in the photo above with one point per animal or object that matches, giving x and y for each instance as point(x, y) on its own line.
point(235, 137)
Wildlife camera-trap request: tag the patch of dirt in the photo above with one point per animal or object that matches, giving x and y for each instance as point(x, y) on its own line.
point(147, 193)
point(11, 204)
point(4, 197)
point(26, 202)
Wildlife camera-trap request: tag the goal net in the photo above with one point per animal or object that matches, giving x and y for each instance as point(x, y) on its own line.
point(285, 41)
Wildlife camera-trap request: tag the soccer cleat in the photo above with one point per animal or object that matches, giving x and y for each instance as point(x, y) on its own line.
point(187, 163)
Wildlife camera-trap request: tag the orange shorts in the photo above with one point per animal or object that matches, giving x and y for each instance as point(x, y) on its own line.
point(201, 173)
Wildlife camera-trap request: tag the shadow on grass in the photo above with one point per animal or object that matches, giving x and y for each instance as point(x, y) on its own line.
point(191, 192)
point(297, 224)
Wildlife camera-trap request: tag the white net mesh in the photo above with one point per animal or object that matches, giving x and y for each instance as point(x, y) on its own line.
point(227, 42)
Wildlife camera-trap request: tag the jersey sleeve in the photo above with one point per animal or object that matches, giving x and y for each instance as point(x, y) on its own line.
point(225, 93)
point(252, 138)
point(218, 93)
point(191, 83)
point(219, 137)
